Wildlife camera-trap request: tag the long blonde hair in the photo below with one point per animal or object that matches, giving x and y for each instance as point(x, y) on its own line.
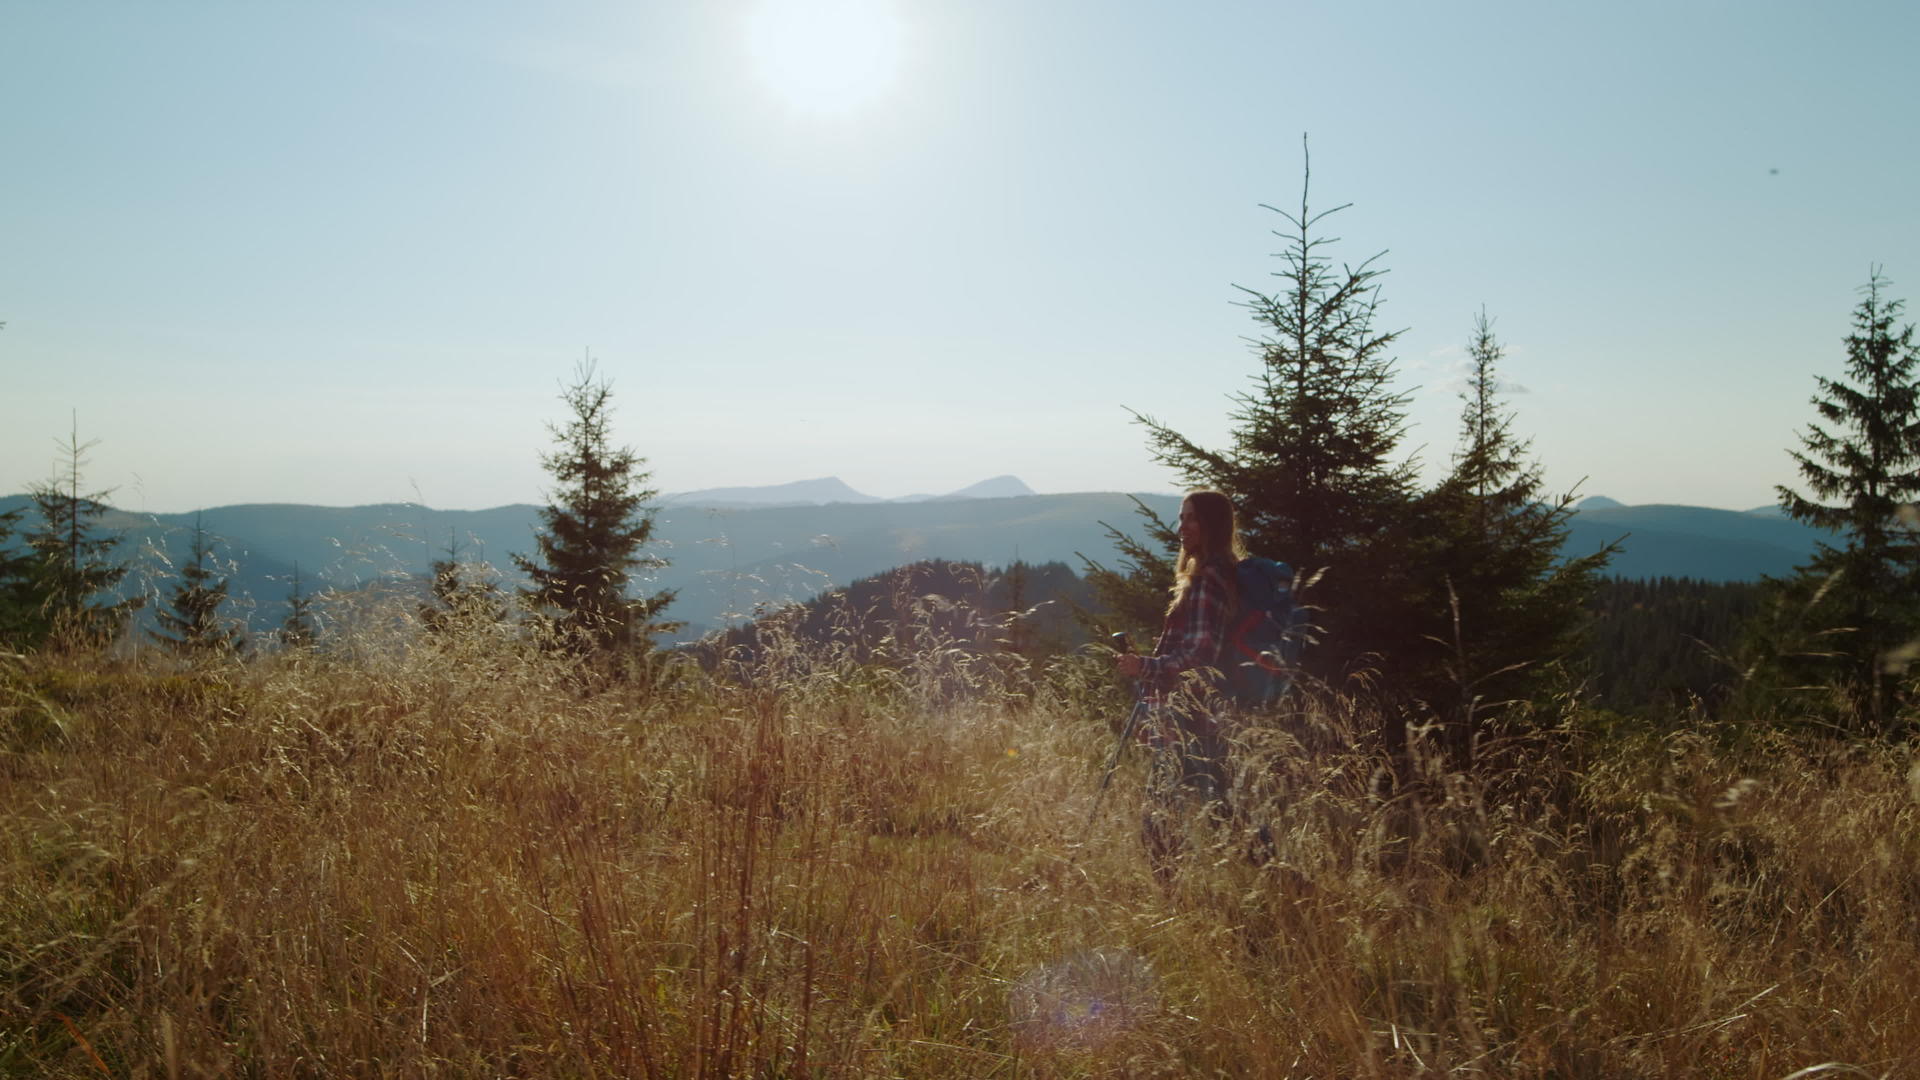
point(1219, 543)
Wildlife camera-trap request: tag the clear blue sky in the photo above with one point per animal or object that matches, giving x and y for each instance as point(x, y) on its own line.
point(344, 252)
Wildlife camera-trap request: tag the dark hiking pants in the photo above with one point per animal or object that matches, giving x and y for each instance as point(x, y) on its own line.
point(1186, 785)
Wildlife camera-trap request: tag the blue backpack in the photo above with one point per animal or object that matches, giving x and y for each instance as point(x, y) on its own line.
point(1265, 635)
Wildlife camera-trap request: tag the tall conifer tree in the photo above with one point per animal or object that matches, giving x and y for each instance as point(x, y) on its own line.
point(1310, 461)
point(1496, 597)
point(75, 560)
point(1861, 463)
point(596, 527)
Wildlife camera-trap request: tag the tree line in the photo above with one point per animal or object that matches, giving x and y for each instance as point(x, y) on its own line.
point(59, 568)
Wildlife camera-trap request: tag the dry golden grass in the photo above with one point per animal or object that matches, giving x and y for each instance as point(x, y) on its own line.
point(456, 858)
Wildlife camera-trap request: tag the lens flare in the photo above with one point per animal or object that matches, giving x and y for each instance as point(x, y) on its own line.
point(1083, 1001)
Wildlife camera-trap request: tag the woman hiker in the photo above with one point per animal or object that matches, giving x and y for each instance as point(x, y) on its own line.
point(1179, 681)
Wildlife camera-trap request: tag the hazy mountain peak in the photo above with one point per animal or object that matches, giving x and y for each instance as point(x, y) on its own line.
point(1000, 487)
point(1598, 502)
point(831, 489)
point(826, 489)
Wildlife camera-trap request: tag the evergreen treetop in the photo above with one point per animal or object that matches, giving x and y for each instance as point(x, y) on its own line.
point(595, 531)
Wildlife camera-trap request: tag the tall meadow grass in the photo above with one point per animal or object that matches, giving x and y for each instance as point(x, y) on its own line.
point(454, 854)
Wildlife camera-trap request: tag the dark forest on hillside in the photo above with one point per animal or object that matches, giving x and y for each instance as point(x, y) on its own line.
point(1022, 608)
point(1654, 645)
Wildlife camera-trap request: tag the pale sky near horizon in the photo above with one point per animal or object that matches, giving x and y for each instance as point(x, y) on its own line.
point(344, 253)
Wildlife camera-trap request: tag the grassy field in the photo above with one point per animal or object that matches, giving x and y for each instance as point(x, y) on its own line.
point(452, 858)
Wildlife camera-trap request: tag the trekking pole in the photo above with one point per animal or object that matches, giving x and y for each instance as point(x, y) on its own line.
point(1138, 713)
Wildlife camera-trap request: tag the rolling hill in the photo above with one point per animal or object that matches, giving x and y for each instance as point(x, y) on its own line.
point(1692, 541)
point(728, 561)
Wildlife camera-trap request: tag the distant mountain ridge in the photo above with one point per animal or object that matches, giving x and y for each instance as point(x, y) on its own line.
point(725, 561)
point(1693, 541)
point(728, 561)
point(828, 490)
point(999, 487)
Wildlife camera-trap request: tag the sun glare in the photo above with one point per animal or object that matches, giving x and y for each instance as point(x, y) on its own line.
point(825, 57)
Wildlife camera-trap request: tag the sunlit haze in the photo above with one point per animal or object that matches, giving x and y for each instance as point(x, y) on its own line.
point(344, 253)
point(825, 56)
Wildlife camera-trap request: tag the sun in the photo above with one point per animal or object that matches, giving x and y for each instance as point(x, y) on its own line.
point(825, 57)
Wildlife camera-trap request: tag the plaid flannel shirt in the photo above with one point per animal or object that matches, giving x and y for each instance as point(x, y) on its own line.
point(1193, 635)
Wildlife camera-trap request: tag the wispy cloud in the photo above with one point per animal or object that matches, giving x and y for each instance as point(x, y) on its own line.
point(584, 56)
point(1456, 370)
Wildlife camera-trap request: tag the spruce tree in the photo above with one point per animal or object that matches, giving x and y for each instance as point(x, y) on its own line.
point(75, 561)
point(297, 630)
point(1495, 597)
point(595, 531)
point(461, 597)
point(1310, 463)
point(1861, 462)
point(192, 622)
